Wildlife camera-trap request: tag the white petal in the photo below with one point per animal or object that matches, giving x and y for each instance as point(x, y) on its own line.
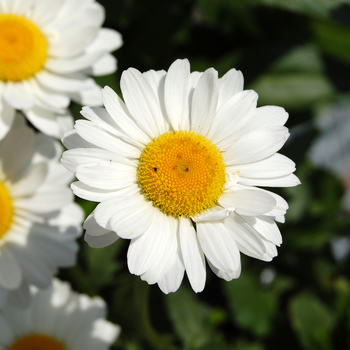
point(142, 103)
point(230, 84)
point(107, 40)
point(172, 279)
point(70, 65)
point(176, 94)
point(71, 140)
point(218, 246)
point(106, 175)
point(107, 64)
point(227, 276)
point(64, 83)
point(128, 216)
point(257, 145)
point(34, 270)
point(192, 255)
point(7, 334)
point(268, 115)
point(232, 116)
point(20, 298)
point(118, 111)
point(45, 202)
point(71, 43)
point(10, 271)
point(246, 238)
point(266, 227)
point(284, 181)
point(275, 166)
point(154, 246)
point(204, 101)
point(91, 96)
point(214, 215)
point(46, 121)
point(7, 115)
point(247, 201)
point(101, 138)
point(14, 163)
point(165, 261)
point(18, 95)
point(92, 227)
point(271, 251)
point(101, 117)
point(77, 156)
point(101, 241)
point(31, 181)
point(93, 194)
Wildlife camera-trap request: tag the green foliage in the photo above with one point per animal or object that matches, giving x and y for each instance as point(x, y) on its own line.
point(190, 318)
point(312, 321)
point(254, 306)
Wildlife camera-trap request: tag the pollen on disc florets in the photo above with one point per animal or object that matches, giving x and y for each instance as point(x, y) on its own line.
point(23, 48)
point(182, 173)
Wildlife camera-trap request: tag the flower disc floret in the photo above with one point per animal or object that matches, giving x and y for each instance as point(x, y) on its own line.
point(6, 212)
point(37, 342)
point(182, 173)
point(23, 48)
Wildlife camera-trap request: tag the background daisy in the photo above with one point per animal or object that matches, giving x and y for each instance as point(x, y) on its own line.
point(176, 167)
point(39, 222)
point(58, 319)
point(49, 50)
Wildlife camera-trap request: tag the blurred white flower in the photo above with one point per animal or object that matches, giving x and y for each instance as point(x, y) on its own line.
point(39, 222)
point(331, 150)
point(57, 319)
point(175, 169)
point(49, 50)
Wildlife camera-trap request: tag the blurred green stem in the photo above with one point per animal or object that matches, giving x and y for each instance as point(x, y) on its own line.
point(141, 297)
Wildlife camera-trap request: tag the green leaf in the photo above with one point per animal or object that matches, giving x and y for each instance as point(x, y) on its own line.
point(101, 265)
point(189, 317)
point(342, 289)
point(254, 306)
point(245, 345)
point(333, 38)
point(292, 90)
point(317, 8)
point(312, 321)
point(300, 59)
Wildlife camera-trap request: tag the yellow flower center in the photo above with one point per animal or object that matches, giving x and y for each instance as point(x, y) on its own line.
point(6, 210)
point(37, 342)
point(23, 48)
point(182, 173)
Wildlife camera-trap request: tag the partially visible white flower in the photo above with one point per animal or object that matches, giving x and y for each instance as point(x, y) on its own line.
point(175, 169)
point(331, 150)
point(39, 222)
point(57, 319)
point(49, 50)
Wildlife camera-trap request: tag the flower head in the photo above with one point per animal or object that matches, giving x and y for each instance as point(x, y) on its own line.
point(48, 51)
point(57, 319)
point(175, 169)
point(39, 223)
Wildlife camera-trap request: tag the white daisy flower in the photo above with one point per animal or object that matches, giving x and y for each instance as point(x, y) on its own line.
point(39, 222)
point(57, 319)
point(49, 49)
point(175, 168)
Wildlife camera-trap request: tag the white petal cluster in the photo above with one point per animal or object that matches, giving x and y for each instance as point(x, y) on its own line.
point(46, 222)
point(77, 48)
point(75, 320)
point(105, 149)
